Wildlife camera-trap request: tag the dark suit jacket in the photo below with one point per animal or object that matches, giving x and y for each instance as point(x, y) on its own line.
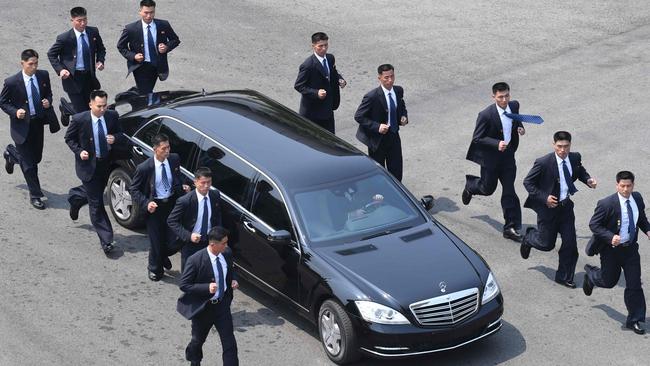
point(144, 180)
point(373, 111)
point(184, 215)
point(606, 221)
point(484, 149)
point(544, 180)
point(63, 56)
point(14, 97)
point(311, 78)
point(79, 137)
point(196, 279)
point(131, 42)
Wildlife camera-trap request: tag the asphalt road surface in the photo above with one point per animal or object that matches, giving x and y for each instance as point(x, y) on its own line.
point(582, 65)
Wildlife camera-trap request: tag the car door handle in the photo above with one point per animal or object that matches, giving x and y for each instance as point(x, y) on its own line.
point(138, 150)
point(249, 226)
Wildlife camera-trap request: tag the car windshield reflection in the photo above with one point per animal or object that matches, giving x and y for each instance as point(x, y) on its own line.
point(352, 210)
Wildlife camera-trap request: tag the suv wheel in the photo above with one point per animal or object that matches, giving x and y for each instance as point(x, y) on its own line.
point(124, 211)
point(337, 334)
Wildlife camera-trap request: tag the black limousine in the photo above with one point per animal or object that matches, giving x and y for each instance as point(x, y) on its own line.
point(317, 223)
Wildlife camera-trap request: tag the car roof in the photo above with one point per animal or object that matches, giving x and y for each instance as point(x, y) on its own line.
point(272, 137)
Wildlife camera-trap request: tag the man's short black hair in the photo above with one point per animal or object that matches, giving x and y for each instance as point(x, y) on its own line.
point(98, 93)
point(161, 137)
point(561, 136)
point(384, 67)
point(147, 3)
point(27, 54)
point(624, 175)
point(500, 87)
point(77, 11)
point(319, 36)
point(217, 233)
point(202, 172)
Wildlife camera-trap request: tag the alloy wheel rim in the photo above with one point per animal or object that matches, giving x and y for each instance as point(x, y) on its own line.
point(121, 199)
point(330, 333)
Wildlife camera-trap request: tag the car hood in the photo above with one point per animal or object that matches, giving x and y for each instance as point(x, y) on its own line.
point(404, 267)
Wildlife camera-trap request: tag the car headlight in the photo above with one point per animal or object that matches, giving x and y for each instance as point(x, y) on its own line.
point(491, 289)
point(377, 313)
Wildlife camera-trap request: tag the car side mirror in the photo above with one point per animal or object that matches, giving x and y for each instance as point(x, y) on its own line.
point(427, 202)
point(279, 237)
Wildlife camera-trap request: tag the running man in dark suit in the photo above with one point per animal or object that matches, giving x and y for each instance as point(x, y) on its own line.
point(194, 214)
point(616, 223)
point(145, 44)
point(75, 55)
point(93, 136)
point(27, 98)
point(493, 147)
point(318, 82)
point(550, 187)
point(155, 187)
point(208, 283)
point(380, 114)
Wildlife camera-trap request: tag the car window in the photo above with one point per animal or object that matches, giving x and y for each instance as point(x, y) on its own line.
point(270, 208)
point(230, 175)
point(355, 209)
point(182, 140)
point(147, 133)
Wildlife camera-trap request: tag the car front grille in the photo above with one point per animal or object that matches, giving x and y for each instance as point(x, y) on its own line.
point(446, 309)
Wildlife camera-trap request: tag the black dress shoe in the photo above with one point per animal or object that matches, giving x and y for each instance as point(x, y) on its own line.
point(154, 277)
point(587, 285)
point(108, 248)
point(512, 234)
point(636, 327)
point(566, 283)
point(9, 166)
point(524, 249)
point(37, 203)
point(466, 196)
point(74, 211)
point(195, 363)
point(167, 264)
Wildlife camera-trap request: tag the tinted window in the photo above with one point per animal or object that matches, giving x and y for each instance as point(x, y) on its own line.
point(230, 175)
point(182, 139)
point(147, 133)
point(269, 207)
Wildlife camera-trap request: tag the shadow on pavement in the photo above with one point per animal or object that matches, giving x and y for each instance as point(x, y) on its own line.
point(444, 204)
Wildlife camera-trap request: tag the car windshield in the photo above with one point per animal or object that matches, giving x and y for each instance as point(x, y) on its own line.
point(353, 210)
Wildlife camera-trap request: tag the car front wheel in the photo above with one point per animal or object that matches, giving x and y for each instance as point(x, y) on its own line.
point(337, 333)
point(122, 206)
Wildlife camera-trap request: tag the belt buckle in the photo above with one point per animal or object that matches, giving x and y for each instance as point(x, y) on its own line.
point(214, 302)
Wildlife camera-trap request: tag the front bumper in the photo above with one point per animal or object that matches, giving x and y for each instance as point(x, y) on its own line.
point(388, 341)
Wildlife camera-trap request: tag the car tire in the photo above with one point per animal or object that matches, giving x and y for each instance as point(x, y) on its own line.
point(337, 333)
point(124, 211)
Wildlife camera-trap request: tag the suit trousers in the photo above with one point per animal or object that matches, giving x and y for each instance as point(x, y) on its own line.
point(505, 172)
point(160, 237)
point(92, 192)
point(327, 124)
point(190, 248)
point(83, 81)
point(612, 260)
point(218, 315)
point(145, 77)
point(29, 154)
point(561, 221)
point(389, 154)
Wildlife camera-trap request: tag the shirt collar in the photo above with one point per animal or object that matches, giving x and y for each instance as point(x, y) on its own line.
point(212, 256)
point(320, 59)
point(623, 199)
point(501, 110)
point(559, 160)
point(158, 162)
point(386, 91)
point(94, 118)
point(27, 77)
point(144, 25)
point(200, 197)
point(77, 33)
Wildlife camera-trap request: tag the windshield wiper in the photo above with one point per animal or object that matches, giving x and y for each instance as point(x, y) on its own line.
point(386, 232)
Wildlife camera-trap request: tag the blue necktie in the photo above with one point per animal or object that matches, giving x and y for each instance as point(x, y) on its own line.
point(325, 68)
point(85, 50)
point(204, 220)
point(36, 97)
point(163, 177)
point(101, 136)
point(222, 282)
point(392, 110)
point(529, 118)
point(153, 56)
point(567, 178)
point(630, 225)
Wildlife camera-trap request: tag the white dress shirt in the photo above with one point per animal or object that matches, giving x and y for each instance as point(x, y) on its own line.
point(564, 187)
point(218, 260)
point(32, 109)
point(320, 59)
point(506, 123)
point(625, 236)
point(394, 98)
point(147, 56)
point(80, 55)
point(161, 191)
point(199, 217)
